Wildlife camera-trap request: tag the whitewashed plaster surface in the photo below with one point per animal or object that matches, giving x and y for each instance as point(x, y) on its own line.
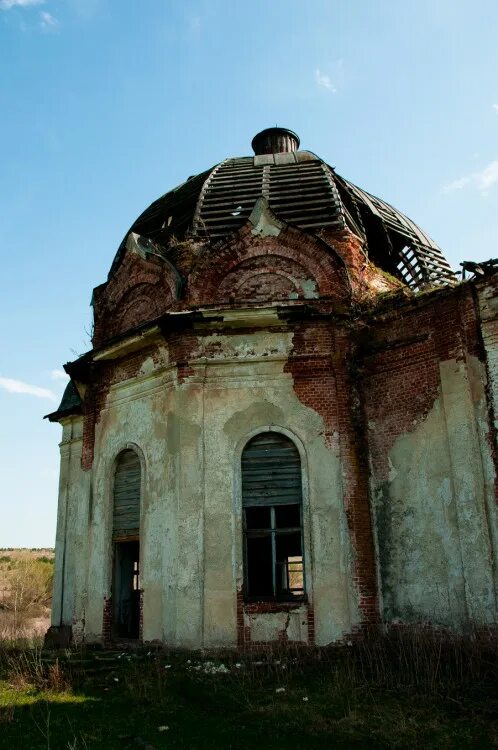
point(435, 516)
point(190, 436)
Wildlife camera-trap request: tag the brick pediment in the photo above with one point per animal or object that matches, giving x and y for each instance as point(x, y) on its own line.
point(268, 261)
point(144, 286)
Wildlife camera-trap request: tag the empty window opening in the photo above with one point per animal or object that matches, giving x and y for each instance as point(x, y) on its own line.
point(126, 590)
point(272, 509)
point(125, 533)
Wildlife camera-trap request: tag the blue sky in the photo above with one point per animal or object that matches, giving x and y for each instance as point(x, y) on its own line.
point(107, 104)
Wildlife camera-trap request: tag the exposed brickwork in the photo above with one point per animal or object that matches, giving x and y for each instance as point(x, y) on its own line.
point(243, 632)
point(294, 264)
point(323, 381)
point(141, 616)
point(141, 290)
point(244, 639)
point(261, 280)
point(90, 416)
point(311, 625)
point(104, 375)
point(310, 364)
point(372, 373)
point(366, 279)
point(486, 299)
point(399, 365)
point(216, 277)
point(107, 622)
point(354, 464)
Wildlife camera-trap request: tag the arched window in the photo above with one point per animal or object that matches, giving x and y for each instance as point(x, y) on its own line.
point(272, 508)
point(126, 509)
point(126, 538)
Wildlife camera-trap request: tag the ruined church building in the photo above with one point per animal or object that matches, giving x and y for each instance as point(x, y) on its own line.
point(285, 430)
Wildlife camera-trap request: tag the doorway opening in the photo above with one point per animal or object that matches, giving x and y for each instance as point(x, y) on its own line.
point(126, 590)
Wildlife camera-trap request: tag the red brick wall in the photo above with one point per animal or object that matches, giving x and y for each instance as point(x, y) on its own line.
point(104, 375)
point(140, 291)
point(219, 270)
point(399, 367)
point(366, 279)
point(398, 359)
point(320, 364)
point(107, 622)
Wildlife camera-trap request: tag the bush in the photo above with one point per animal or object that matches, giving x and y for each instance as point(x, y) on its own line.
point(29, 586)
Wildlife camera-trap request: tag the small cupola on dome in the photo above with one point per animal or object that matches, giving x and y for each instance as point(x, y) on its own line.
point(275, 141)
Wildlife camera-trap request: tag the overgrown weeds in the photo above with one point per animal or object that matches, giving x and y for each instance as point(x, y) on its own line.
point(28, 669)
point(404, 688)
point(25, 593)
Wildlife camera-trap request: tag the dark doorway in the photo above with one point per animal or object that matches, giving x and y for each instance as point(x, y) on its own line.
point(126, 589)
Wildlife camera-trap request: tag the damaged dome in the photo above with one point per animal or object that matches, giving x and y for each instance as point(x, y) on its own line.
point(303, 191)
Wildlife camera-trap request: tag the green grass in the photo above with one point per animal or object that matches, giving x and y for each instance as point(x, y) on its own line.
point(97, 700)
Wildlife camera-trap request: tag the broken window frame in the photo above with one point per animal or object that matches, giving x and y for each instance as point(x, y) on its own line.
point(273, 531)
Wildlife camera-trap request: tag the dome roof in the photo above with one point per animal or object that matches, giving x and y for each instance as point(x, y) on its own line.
point(302, 190)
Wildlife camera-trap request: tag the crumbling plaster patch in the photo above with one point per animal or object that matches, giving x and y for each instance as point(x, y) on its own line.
point(191, 538)
point(291, 626)
point(242, 346)
point(432, 513)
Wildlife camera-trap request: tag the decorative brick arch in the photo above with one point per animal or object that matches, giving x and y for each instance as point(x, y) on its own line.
point(142, 289)
point(293, 265)
point(137, 306)
point(268, 277)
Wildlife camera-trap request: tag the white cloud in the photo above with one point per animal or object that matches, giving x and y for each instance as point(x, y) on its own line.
point(48, 21)
point(323, 80)
point(495, 107)
point(482, 181)
point(456, 184)
point(59, 375)
point(18, 386)
point(8, 4)
point(487, 177)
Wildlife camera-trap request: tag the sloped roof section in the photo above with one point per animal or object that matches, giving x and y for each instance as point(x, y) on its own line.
point(301, 192)
point(169, 216)
point(70, 404)
point(395, 240)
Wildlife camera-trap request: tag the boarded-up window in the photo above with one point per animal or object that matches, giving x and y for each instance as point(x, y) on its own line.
point(272, 509)
point(127, 480)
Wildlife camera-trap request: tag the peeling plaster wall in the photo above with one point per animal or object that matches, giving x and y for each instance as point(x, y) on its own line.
point(487, 295)
point(488, 309)
point(240, 400)
point(431, 519)
point(190, 434)
point(70, 584)
point(432, 472)
point(189, 404)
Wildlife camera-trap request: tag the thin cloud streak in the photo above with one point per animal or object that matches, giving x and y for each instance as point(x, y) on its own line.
point(18, 386)
point(8, 4)
point(48, 21)
point(482, 181)
point(59, 375)
point(324, 81)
